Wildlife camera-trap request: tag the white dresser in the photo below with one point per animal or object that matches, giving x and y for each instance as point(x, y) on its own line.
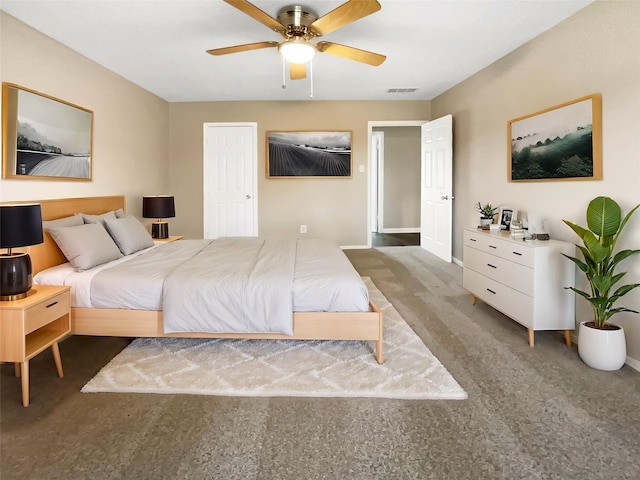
point(525, 280)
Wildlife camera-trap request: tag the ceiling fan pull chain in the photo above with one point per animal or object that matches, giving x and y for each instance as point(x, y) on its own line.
point(284, 74)
point(311, 77)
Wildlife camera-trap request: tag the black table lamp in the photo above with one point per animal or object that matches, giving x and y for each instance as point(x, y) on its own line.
point(20, 226)
point(159, 207)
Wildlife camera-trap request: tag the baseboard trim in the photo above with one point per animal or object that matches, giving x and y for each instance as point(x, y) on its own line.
point(400, 230)
point(353, 247)
point(457, 261)
point(633, 363)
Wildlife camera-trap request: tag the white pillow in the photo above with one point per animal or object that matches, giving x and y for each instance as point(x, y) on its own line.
point(85, 246)
point(129, 234)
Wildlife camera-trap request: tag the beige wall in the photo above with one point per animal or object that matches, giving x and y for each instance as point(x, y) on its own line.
point(401, 177)
point(331, 208)
point(130, 125)
point(595, 51)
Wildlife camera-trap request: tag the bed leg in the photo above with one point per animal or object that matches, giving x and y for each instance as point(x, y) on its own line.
point(379, 351)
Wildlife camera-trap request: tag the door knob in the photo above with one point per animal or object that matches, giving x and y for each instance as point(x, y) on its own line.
point(248, 196)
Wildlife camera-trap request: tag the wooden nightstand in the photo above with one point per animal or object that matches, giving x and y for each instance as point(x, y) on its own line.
point(33, 324)
point(169, 239)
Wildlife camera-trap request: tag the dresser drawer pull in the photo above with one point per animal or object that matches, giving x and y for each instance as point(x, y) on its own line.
point(52, 304)
point(517, 253)
point(492, 266)
point(492, 246)
point(472, 239)
point(490, 291)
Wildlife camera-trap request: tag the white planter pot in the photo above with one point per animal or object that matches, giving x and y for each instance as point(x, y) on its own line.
point(602, 349)
point(485, 221)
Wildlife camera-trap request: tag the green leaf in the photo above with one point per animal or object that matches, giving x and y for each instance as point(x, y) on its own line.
point(616, 278)
point(597, 252)
point(624, 289)
point(576, 228)
point(602, 283)
point(604, 216)
point(580, 292)
point(622, 254)
point(581, 265)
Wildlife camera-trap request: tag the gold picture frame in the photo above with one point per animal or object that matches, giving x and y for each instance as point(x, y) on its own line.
point(306, 154)
point(563, 142)
point(44, 137)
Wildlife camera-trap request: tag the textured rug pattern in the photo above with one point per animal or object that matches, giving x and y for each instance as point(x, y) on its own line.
point(283, 367)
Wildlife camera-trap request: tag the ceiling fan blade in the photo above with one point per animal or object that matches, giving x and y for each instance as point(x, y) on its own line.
point(351, 53)
point(298, 71)
point(345, 14)
point(242, 48)
point(257, 14)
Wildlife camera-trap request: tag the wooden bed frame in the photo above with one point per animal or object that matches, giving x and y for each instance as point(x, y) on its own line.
point(366, 326)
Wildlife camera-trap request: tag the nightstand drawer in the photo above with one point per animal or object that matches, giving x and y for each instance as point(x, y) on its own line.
point(45, 312)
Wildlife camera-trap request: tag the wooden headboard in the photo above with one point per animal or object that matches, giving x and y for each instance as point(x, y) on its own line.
point(47, 254)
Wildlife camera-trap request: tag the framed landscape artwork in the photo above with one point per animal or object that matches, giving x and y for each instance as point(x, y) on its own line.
point(559, 143)
point(44, 137)
point(308, 154)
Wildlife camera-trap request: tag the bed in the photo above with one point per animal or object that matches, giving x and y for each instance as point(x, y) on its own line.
point(306, 325)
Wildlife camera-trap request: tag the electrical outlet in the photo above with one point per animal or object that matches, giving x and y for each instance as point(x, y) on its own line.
point(303, 229)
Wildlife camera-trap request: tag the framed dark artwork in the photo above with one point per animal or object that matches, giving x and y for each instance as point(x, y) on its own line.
point(308, 154)
point(559, 143)
point(44, 137)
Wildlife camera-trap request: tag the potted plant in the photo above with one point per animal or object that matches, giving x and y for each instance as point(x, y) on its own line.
point(486, 213)
point(602, 344)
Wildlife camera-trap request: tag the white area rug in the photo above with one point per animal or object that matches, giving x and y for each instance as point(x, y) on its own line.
point(271, 368)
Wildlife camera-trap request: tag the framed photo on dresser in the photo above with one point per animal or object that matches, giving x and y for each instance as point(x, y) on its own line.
point(506, 215)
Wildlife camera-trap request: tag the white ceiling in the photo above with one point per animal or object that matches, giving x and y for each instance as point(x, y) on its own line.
point(160, 45)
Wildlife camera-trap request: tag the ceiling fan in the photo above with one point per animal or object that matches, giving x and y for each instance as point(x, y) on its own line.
point(298, 25)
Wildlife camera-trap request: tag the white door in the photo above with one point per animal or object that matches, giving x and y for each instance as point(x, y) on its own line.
point(437, 187)
point(230, 179)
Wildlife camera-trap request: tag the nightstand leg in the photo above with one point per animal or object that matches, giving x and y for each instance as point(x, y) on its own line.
point(17, 368)
point(567, 338)
point(25, 383)
point(56, 358)
point(473, 299)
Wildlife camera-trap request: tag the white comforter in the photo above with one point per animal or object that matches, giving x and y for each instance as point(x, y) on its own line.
point(224, 285)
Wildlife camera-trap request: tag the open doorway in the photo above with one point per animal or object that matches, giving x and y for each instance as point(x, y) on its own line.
point(394, 183)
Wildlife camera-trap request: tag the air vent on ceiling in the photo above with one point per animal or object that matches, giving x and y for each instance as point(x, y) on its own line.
point(402, 90)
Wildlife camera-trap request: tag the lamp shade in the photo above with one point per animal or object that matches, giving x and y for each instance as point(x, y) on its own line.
point(158, 206)
point(20, 225)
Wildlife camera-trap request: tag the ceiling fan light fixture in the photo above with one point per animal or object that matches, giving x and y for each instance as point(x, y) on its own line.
point(297, 50)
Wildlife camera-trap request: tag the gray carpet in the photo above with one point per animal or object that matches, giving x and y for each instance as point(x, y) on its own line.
point(532, 413)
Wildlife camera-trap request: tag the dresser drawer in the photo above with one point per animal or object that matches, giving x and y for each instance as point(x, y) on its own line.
point(497, 268)
point(507, 300)
point(515, 251)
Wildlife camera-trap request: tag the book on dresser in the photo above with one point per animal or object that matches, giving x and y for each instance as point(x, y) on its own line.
point(524, 279)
